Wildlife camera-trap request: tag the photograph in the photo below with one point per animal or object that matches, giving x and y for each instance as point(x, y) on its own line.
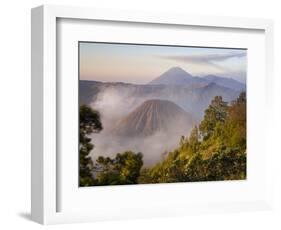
point(151, 113)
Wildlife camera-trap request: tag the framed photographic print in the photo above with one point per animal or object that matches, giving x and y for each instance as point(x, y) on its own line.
point(139, 114)
point(137, 127)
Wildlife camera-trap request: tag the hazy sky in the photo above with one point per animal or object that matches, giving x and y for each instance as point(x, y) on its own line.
point(142, 63)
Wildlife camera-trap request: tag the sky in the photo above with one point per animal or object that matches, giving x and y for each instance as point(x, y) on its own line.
point(139, 64)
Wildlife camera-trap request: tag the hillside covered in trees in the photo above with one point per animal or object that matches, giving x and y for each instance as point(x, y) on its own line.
point(214, 150)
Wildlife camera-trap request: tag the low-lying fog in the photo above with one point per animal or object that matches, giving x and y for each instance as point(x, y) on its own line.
point(153, 147)
point(113, 106)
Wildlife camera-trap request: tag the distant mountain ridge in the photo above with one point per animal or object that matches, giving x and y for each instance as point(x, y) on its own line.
point(154, 116)
point(178, 76)
point(193, 94)
point(225, 82)
point(192, 99)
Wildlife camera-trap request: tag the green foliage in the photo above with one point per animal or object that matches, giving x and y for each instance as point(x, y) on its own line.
point(123, 169)
point(215, 151)
point(236, 124)
point(168, 171)
point(194, 140)
point(227, 164)
point(89, 122)
point(214, 114)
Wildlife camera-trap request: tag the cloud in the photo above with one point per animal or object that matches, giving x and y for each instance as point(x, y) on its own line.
point(203, 58)
point(212, 60)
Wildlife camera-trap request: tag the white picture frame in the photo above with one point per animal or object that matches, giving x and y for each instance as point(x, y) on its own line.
point(45, 90)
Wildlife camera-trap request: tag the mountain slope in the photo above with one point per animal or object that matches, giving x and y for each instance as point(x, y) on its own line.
point(225, 82)
point(176, 76)
point(154, 116)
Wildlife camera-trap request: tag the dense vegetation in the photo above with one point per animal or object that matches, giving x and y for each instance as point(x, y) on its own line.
point(214, 150)
point(89, 122)
point(123, 169)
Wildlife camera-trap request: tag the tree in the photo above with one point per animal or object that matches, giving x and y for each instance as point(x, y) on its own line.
point(123, 169)
point(215, 113)
point(227, 164)
point(235, 127)
point(89, 122)
point(194, 139)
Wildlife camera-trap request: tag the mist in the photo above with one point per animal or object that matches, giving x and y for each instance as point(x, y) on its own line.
point(113, 105)
point(154, 148)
